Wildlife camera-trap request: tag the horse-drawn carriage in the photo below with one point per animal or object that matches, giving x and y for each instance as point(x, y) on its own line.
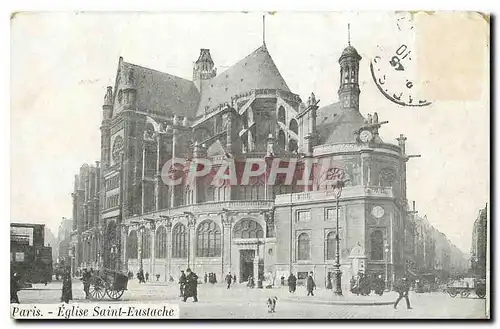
point(108, 282)
point(465, 287)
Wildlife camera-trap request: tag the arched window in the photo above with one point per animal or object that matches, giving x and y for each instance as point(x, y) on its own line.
point(161, 242)
point(377, 245)
point(247, 229)
point(294, 126)
point(281, 139)
point(132, 245)
point(330, 246)
point(179, 241)
point(292, 145)
point(304, 252)
point(281, 114)
point(208, 239)
point(146, 244)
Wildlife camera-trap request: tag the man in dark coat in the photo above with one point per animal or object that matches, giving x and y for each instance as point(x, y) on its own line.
point(182, 283)
point(67, 292)
point(205, 279)
point(229, 279)
point(402, 287)
point(191, 289)
point(310, 284)
point(14, 288)
point(147, 276)
point(86, 283)
point(292, 283)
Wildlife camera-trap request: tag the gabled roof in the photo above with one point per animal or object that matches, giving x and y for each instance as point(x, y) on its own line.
point(337, 125)
point(160, 91)
point(256, 71)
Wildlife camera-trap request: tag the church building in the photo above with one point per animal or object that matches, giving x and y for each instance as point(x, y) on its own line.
point(243, 114)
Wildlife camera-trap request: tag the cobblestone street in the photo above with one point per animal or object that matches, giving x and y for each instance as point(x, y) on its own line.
point(215, 301)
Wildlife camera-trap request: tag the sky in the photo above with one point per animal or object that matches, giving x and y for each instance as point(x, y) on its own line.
point(61, 64)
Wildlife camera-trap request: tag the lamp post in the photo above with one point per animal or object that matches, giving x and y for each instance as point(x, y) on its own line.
point(337, 190)
point(386, 265)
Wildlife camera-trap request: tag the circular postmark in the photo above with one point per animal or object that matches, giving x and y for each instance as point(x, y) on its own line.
point(393, 68)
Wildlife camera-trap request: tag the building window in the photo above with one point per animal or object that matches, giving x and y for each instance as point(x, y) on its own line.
point(303, 247)
point(303, 216)
point(161, 243)
point(281, 115)
point(179, 241)
point(132, 245)
point(377, 245)
point(330, 246)
point(247, 229)
point(208, 240)
point(331, 213)
point(146, 244)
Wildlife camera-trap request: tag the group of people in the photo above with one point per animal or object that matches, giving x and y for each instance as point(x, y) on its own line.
point(210, 278)
point(143, 278)
point(188, 283)
point(292, 283)
point(362, 284)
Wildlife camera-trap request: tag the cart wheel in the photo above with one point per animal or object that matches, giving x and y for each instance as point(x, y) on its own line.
point(481, 293)
point(452, 293)
point(465, 294)
point(97, 289)
point(115, 294)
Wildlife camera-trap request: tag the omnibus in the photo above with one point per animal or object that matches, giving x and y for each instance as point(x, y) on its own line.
point(29, 257)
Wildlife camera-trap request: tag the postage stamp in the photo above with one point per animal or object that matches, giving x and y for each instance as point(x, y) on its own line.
point(250, 165)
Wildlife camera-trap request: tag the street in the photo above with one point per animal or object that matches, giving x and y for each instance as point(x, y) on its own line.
point(215, 301)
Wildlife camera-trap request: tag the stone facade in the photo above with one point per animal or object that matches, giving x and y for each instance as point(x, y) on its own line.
point(246, 113)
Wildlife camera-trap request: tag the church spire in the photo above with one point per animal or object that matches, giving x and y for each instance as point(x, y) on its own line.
point(264, 30)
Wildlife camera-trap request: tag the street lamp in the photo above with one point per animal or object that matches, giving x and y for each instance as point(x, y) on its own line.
point(386, 265)
point(337, 191)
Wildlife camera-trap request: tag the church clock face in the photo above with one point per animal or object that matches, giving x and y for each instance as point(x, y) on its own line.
point(378, 212)
point(117, 148)
point(365, 136)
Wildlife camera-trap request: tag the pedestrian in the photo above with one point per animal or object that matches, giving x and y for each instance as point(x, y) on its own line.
point(86, 283)
point(282, 280)
point(234, 278)
point(191, 289)
point(310, 284)
point(205, 278)
point(140, 276)
point(157, 277)
point(15, 286)
point(215, 278)
point(292, 283)
point(402, 287)
point(147, 276)
point(67, 292)
point(182, 283)
point(229, 278)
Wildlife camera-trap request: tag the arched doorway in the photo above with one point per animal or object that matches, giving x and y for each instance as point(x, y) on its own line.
point(249, 235)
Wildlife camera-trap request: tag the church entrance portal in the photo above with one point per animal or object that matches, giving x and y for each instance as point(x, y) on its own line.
point(246, 264)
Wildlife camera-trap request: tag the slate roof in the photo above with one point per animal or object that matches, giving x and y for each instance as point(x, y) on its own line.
point(335, 125)
point(158, 91)
point(256, 71)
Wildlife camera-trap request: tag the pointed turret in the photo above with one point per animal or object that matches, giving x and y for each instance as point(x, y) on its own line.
point(349, 75)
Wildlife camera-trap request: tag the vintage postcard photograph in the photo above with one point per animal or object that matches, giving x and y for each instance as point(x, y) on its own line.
point(250, 165)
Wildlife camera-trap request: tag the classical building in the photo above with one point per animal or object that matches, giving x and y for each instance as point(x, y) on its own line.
point(126, 217)
point(479, 247)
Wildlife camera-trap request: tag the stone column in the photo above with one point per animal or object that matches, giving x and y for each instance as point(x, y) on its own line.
point(158, 173)
point(256, 266)
point(168, 270)
point(192, 239)
point(227, 224)
point(153, 252)
point(140, 238)
point(125, 248)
